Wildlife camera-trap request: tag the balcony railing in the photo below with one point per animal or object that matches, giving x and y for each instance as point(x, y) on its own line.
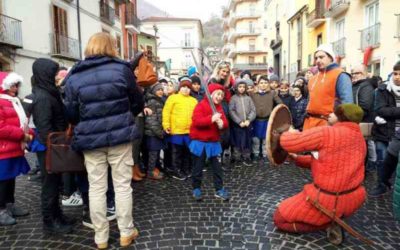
point(371, 36)
point(107, 14)
point(337, 7)
point(243, 15)
point(10, 31)
point(250, 66)
point(132, 23)
point(316, 17)
point(243, 32)
point(64, 47)
point(339, 47)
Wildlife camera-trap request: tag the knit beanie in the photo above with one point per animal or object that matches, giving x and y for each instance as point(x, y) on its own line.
point(273, 77)
point(327, 48)
point(185, 81)
point(195, 79)
point(247, 82)
point(349, 112)
point(10, 80)
point(215, 86)
point(191, 70)
point(155, 87)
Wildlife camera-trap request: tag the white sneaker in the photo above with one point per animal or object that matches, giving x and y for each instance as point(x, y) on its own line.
point(111, 213)
point(74, 200)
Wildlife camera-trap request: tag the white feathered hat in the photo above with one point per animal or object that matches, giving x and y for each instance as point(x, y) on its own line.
point(11, 80)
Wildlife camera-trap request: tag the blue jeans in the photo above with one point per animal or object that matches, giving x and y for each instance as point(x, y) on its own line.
point(381, 153)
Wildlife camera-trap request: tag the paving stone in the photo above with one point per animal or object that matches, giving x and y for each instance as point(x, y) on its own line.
point(169, 218)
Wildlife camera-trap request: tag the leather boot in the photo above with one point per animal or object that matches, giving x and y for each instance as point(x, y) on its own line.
point(138, 171)
point(135, 175)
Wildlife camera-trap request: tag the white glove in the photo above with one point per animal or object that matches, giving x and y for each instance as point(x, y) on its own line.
point(379, 120)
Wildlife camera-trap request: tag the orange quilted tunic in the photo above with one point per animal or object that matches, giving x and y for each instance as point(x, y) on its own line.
point(339, 167)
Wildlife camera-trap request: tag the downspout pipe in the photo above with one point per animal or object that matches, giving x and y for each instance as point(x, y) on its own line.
point(79, 28)
point(288, 61)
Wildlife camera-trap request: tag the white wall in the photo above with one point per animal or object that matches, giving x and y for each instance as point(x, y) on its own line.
point(37, 24)
point(171, 37)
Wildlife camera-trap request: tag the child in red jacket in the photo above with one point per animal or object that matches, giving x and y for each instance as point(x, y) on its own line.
point(205, 135)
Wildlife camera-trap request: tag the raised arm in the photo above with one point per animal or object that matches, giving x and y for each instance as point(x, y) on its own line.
point(309, 140)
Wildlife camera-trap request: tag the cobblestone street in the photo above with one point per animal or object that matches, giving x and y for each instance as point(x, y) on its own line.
point(169, 218)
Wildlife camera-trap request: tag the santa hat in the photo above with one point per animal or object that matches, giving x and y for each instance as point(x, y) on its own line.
point(185, 82)
point(11, 80)
point(215, 86)
point(327, 48)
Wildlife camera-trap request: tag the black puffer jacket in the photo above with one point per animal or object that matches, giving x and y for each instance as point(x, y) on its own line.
point(385, 107)
point(363, 95)
point(48, 110)
point(153, 123)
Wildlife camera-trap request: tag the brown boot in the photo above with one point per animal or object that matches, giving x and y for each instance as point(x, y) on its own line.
point(135, 175)
point(138, 171)
point(155, 174)
point(126, 241)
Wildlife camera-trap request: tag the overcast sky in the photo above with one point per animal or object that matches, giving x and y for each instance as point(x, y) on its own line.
point(201, 9)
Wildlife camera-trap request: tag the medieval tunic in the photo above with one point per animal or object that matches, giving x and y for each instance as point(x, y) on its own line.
point(339, 168)
point(324, 89)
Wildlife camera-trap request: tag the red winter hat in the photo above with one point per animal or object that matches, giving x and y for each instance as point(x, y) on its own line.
point(215, 86)
point(185, 82)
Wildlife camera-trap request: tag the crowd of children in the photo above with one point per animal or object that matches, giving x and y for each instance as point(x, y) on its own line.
point(180, 121)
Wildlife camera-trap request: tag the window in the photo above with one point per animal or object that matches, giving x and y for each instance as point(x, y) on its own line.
point(339, 29)
point(119, 45)
point(251, 59)
point(264, 59)
point(251, 27)
point(319, 39)
point(265, 42)
point(372, 14)
point(252, 44)
point(299, 38)
point(252, 9)
point(60, 28)
point(116, 8)
point(188, 41)
point(265, 24)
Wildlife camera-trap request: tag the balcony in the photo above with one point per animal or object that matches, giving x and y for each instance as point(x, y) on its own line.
point(132, 23)
point(243, 33)
point(339, 47)
point(107, 14)
point(250, 51)
point(233, 3)
point(64, 47)
point(250, 66)
point(243, 15)
point(10, 31)
point(337, 7)
point(316, 17)
point(371, 36)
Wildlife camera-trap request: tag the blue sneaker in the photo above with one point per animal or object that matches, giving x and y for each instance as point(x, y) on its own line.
point(197, 194)
point(222, 194)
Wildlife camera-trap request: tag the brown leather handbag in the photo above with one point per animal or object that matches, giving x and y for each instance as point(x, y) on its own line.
point(146, 75)
point(60, 157)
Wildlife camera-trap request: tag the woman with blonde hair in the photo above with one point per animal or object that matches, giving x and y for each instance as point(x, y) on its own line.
point(99, 99)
